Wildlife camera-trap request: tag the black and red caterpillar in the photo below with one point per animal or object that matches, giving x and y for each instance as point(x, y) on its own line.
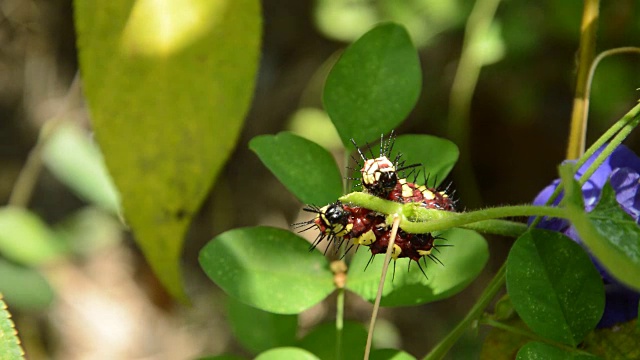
point(339, 223)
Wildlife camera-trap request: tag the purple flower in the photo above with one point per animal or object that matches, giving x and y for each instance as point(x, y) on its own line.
point(622, 169)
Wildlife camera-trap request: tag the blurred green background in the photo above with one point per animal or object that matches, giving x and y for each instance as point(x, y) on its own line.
point(110, 303)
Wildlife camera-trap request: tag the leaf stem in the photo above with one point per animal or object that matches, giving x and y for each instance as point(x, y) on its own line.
point(592, 70)
point(385, 268)
point(440, 350)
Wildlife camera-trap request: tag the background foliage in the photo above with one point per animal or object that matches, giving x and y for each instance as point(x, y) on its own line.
point(519, 120)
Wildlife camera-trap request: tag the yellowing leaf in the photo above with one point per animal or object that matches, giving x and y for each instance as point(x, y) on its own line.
point(168, 83)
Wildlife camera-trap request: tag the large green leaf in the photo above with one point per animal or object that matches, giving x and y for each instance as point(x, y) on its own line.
point(268, 268)
point(222, 357)
point(304, 167)
point(286, 353)
point(25, 238)
point(611, 234)
point(374, 85)
point(390, 354)
point(537, 350)
point(10, 348)
point(77, 162)
point(554, 286)
point(462, 263)
point(275, 330)
point(321, 341)
point(168, 85)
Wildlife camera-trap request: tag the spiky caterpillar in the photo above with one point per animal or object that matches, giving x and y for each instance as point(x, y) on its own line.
point(340, 222)
point(380, 177)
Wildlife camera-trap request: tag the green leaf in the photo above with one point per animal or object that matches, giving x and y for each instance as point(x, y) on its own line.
point(462, 263)
point(374, 85)
point(222, 357)
point(304, 167)
point(554, 286)
point(268, 268)
point(10, 348)
point(25, 238)
point(274, 330)
point(321, 341)
point(390, 354)
point(286, 353)
point(537, 350)
point(78, 163)
point(611, 234)
point(24, 288)
point(167, 87)
point(437, 155)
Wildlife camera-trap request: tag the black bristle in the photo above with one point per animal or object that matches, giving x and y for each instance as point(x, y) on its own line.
point(421, 269)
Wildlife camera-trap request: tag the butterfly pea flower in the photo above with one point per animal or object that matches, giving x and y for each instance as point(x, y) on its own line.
point(622, 170)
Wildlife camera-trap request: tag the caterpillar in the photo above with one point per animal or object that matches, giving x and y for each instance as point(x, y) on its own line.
point(379, 175)
point(380, 178)
point(339, 222)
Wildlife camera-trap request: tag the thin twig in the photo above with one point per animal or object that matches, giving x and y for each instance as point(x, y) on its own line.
point(28, 176)
point(592, 70)
point(385, 268)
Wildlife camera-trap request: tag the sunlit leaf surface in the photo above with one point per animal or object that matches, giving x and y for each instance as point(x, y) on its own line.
point(168, 83)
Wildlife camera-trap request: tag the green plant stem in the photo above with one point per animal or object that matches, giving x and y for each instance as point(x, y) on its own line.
point(498, 227)
point(417, 219)
point(383, 277)
point(462, 89)
point(586, 53)
point(440, 350)
point(460, 219)
point(616, 133)
point(613, 144)
point(339, 322)
point(592, 70)
point(28, 176)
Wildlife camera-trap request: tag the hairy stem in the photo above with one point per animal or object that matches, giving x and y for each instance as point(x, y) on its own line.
point(615, 134)
point(459, 219)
